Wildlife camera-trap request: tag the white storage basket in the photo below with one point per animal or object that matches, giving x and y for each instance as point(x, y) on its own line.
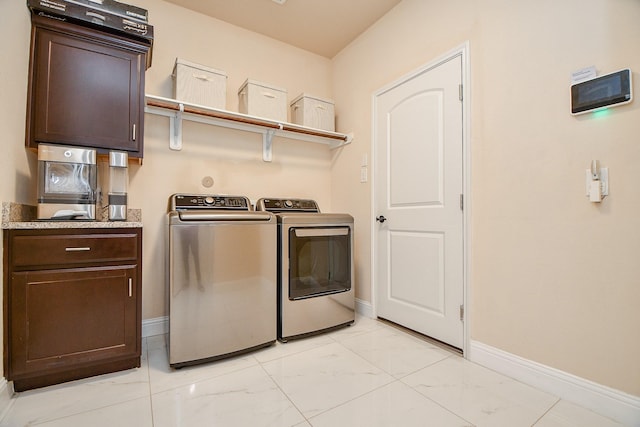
point(262, 100)
point(313, 112)
point(198, 84)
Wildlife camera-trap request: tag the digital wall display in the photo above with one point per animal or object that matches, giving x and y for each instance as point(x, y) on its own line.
point(610, 90)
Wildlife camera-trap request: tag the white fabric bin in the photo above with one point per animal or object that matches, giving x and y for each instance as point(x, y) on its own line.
point(198, 84)
point(313, 112)
point(262, 100)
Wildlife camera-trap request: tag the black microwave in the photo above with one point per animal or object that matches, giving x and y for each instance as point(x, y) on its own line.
point(610, 90)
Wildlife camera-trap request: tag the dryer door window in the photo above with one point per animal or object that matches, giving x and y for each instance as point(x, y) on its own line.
point(319, 261)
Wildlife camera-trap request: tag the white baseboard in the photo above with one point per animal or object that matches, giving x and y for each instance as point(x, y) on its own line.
point(615, 404)
point(155, 326)
point(365, 308)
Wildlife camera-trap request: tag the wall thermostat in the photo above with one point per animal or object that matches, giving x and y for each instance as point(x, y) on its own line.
point(610, 90)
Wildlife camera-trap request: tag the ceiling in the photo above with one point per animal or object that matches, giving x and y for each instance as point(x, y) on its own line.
point(323, 27)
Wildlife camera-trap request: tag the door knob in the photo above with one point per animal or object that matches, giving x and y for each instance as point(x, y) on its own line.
point(381, 218)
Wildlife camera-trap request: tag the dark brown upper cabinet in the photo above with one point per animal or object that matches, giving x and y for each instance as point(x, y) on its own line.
point(86, 87)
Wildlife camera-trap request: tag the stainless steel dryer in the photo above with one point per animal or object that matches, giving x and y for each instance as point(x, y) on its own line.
point(222, 278)
point(315, 268)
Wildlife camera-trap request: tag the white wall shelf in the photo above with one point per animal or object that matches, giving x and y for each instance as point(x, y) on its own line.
point(177, 111)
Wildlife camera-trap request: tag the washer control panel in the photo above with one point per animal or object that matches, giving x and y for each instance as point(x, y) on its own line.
point(287, 205)
point(184, 202)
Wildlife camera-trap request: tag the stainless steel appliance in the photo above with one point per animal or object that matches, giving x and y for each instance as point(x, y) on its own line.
point(222, 278)
point(315, 268)
point(118, 184)
point(67, 182)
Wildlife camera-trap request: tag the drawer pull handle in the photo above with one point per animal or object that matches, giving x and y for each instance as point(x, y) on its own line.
point(80, 249)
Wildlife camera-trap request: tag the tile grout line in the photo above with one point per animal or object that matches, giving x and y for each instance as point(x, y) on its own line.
point(307, 419)
point(546, 412)
point(427, 397)
point(394, 379)
point(506, 377)
point(149, 379)
point(435, 401)
point(286, 355)
point(202, 378)
point(280, 388)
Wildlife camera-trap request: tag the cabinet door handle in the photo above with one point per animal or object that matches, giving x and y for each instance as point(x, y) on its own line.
point(134, 132)
point(130, 288)
point(78, 249)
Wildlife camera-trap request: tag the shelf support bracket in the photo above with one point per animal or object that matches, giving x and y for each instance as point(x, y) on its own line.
point(175, 130)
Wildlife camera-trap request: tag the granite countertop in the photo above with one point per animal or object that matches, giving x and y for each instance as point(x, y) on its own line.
point(20, 216)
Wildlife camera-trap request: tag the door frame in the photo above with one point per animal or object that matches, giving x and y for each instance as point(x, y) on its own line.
point(462, 51)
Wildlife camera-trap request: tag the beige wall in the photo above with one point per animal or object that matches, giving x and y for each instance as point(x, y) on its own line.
point(232, 158)
point(16, 165)
point(554, 278)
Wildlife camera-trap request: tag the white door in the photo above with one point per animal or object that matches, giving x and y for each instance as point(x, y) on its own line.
point(419, 182)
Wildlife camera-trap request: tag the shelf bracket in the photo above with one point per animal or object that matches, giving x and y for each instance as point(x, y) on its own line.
point(267, 144)
point(348, 139)
point(175, 130)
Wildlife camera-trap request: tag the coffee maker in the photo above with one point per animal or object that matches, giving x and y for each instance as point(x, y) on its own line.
point(67, 183)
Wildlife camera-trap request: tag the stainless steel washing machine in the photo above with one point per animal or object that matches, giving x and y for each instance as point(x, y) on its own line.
point(222, 278)
point(315, 267)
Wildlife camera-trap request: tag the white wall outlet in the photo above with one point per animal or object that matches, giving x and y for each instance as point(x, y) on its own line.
point(604, 182)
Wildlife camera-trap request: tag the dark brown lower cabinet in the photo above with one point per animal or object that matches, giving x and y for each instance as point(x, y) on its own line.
point(72, 310)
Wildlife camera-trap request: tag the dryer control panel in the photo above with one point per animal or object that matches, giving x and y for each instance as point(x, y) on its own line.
point(287, 205)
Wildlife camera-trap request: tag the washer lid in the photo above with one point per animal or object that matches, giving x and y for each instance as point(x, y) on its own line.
point(217, 216)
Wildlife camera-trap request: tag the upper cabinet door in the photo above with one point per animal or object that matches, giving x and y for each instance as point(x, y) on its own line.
point(86, 88)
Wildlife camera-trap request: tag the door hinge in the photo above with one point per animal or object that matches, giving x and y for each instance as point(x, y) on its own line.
point(461, 313)
point(462, 202)
point(460, 92)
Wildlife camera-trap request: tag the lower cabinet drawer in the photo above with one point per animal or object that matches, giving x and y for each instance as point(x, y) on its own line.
point(39, 250)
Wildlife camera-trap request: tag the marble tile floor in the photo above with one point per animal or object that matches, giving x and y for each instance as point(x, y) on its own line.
point(370, 374)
